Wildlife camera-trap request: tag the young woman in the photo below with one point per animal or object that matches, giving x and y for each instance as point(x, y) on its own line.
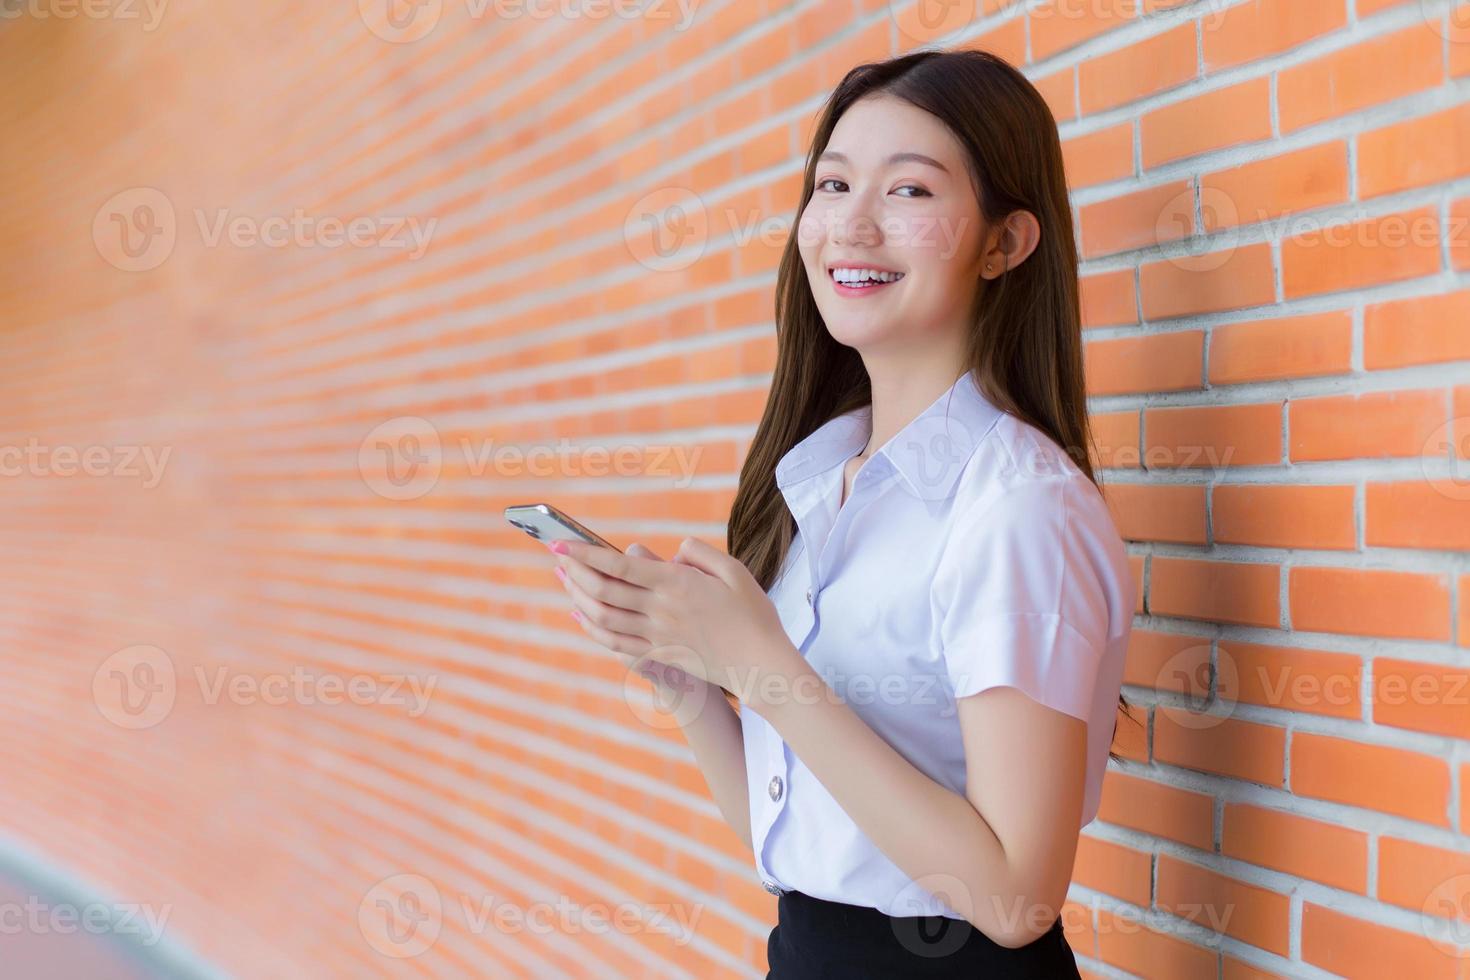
point(925, 605)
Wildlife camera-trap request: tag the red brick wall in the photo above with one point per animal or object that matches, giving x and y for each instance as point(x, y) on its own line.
point(1273, 205)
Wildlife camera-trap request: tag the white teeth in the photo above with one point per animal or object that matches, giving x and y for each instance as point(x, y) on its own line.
point(865, 275)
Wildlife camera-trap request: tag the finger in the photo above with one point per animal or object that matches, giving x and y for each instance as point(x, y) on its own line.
point(705, 557)
point(620, 643)
point(643, 551)
point(630, 568)
point(605, 589)
point(609, 617)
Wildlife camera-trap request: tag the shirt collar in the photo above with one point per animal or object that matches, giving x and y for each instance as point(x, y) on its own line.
point(929, 453)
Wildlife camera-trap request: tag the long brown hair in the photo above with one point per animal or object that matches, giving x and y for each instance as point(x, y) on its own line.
point(1025, 347)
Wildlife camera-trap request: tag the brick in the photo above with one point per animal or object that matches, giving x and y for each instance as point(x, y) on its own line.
point(1116, 436)
point(1226, 117)
point(1100, 157)
point(1290, 347)
point(1284, 516)
point(1418, 330)
point(1416, 514)
point(1427, 150)
point(1141, 219)
point(1369, 602)
point(1175, 662)
point(1109, 299)
point(1152, 65)
point(1229, 279)
point(1378, 70)
point(1363, 253)
point(1220, 903)
point(1463, 636)
point(1291, 679)
point(1160, 362)
point(1152, 512)
point(1378, 425)
point(1274, 187)
point(1422, 697)
point(1226, 746)
point(1234, 969)
point(1296, 845)
point(1008, 39)
point(1057, 25)
point(1059, 89)
point(1113, 869)
point(1232, 592)
point(1419, 877)
point(1212, 436)
point(1159, 809)
point(1375, 777)
point(1351, 946)
point(1127, 944)
point(1251, 31)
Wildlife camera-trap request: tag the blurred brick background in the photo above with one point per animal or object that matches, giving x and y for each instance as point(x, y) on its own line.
point(297, 297)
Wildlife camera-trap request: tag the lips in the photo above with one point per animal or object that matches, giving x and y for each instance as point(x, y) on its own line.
point(860, 287)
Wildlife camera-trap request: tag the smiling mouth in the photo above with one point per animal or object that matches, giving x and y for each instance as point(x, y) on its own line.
point(859, 284)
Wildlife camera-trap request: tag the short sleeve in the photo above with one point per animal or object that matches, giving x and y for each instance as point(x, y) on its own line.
point(1020, 598)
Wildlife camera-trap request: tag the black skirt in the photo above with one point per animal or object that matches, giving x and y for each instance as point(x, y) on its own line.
point(815, 939)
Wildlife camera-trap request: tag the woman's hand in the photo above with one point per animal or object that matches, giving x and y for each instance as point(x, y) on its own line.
point(702, 612)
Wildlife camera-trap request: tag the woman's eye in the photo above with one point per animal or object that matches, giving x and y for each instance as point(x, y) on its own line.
point(911, 187)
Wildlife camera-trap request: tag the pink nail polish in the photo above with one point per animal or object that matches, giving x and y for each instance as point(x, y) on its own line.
point(560, 573)
point(577, 615)
point(559, 547)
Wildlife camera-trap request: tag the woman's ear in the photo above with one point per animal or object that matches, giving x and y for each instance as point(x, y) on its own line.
point(1015, 240)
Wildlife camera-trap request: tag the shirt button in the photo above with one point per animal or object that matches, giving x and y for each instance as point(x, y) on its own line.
point(772, 887)
point(775, 788)
point(808, 597)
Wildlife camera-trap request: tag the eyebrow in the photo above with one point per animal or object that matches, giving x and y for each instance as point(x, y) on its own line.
point(895, 158)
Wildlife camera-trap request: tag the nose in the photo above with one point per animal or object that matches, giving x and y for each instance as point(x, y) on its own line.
point(852, 222)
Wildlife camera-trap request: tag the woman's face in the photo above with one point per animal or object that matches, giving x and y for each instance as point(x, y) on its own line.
point(914, 215)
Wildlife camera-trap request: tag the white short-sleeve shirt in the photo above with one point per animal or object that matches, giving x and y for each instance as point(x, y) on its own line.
point(971, 553)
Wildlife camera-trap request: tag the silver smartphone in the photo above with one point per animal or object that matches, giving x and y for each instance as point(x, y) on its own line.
point(546, 524)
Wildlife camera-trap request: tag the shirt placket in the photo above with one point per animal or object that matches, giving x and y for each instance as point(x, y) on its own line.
point(820, 520)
